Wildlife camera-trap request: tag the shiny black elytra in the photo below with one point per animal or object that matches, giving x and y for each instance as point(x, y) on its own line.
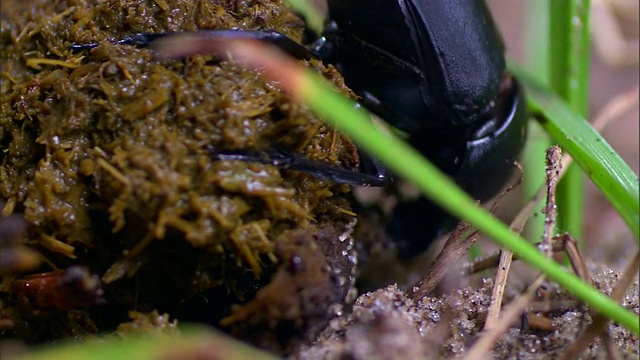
point(434, 69)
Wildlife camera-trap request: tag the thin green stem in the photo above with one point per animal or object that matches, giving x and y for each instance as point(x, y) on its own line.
point(569, 70)
point(537, 61)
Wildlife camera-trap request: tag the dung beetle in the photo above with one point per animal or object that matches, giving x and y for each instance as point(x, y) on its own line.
point(434, 69)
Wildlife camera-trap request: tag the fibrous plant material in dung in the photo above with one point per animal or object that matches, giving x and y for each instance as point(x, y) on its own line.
point(106, 154)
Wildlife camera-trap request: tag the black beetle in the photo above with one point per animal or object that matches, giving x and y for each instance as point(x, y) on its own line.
point(434, 69)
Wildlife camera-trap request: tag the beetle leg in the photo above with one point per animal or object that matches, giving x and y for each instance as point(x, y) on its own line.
point(269, 36)
point(415, 224)
point(137, 40)
point(371, 172)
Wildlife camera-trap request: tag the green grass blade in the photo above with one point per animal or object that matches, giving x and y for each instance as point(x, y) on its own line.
point(537, 62)
point(569, 77)
point(570, 52)
point(195, 342)
point(406, 162)
point(589, 149)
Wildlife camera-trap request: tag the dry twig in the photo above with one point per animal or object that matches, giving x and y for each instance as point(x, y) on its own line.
point(614, 109)
point(510, 314)
point(554, 167)
point(456, 246)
